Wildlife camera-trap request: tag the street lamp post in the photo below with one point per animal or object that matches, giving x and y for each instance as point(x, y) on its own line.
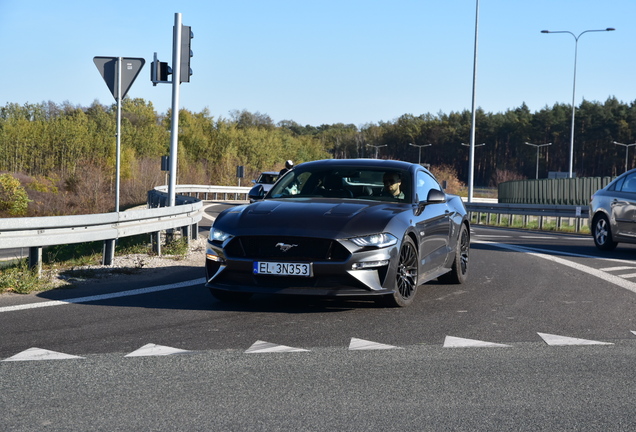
point(376, 148)
point(576, 44)
point(538, 146)
point(627, 146)
point(419, 146)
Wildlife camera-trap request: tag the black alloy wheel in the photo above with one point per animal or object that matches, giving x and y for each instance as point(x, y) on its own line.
point(459, 270)
point(406, 276)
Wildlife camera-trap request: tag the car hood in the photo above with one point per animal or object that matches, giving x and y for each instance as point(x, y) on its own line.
point(309, 217)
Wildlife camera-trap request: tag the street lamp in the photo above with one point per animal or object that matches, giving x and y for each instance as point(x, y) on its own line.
point(476, 145)
point(627, 146)
point(419, 146)
point(576, 43)
point(376, 148)
point(538, 146)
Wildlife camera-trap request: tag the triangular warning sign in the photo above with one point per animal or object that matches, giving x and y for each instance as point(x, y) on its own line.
point(109, 67)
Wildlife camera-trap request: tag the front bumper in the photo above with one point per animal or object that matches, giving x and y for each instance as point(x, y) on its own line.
point(330, 278)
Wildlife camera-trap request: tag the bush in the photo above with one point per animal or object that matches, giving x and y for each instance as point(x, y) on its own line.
point(13, 198)
point(448, 174)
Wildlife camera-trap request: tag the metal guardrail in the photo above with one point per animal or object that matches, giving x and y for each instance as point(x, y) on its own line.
point(35, 233)
point(55, 230)
point(540, 211)
point(158, 197)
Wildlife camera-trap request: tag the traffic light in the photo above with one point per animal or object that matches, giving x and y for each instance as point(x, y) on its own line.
point(186, 53)
point(159, 71)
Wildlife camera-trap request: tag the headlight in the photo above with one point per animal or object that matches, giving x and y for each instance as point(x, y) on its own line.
point(375, 240)
point(218, 235)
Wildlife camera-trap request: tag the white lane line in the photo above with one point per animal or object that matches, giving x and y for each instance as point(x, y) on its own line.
point(100, 297)
point(616, 280)
point(207, 216)
point(41, 354)
point(628, 275)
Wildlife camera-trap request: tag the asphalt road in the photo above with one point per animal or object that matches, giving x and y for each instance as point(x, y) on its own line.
point(541, 337)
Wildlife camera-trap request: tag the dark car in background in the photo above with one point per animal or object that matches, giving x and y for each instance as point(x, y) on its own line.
point(358, 227)
point(612, 216)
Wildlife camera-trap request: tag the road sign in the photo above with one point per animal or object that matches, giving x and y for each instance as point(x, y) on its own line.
point(108, 67)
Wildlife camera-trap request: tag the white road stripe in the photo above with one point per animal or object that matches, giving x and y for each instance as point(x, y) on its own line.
point(100, 297)
point(616, 280)
point(618, 268)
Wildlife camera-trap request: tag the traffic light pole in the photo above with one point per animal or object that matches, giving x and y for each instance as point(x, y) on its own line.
point(174, 127)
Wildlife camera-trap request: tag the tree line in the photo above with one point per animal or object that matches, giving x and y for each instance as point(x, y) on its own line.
point(56, 150)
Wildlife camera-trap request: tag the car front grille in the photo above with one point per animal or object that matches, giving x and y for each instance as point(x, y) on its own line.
point(286, 248)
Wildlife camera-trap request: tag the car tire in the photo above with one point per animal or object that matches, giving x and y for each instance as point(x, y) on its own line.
point(459, 269)
point(602, 233)
point(406, 276)
point(230, 297)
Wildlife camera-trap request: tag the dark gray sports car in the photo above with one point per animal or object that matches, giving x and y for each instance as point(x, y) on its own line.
point(359, 227)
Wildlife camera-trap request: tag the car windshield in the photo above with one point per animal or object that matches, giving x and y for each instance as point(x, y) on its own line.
point(267, 178)
point(342, 182)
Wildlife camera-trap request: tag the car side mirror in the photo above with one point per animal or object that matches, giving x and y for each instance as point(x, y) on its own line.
point(435, 197)
point(256, 193)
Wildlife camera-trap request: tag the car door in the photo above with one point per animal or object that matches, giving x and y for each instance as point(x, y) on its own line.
point(623, 205)
point(433, 225)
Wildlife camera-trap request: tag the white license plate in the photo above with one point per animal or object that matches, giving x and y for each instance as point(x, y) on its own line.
point(282, 269)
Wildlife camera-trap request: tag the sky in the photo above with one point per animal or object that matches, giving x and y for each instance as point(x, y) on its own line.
point(326, 61)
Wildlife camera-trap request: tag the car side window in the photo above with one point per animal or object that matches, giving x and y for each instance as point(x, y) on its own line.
point(629, 185)
point(425, 182)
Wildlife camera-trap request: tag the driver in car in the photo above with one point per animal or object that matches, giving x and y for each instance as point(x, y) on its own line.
point(392, 184)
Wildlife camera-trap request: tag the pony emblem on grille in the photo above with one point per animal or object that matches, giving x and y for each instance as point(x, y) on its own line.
point(284, 247)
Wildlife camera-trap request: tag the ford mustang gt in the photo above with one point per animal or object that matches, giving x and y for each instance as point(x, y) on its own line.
point(358, 227)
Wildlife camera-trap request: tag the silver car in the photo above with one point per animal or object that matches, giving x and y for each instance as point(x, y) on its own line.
point(266, 179)
point(613, 212)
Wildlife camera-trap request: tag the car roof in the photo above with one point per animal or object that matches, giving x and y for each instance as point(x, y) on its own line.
point(270, 172)
point(362, 163)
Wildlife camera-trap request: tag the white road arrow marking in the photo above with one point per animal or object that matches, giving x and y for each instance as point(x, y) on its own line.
point(41, 354)
point(361, 344)
point(156, 350)
point(556, 340)
point(455, 342)
point(267, 347)
point(633, 332)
